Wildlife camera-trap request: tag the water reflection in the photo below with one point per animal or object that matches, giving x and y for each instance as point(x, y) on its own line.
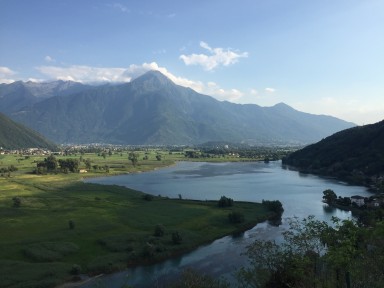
point(301, 195)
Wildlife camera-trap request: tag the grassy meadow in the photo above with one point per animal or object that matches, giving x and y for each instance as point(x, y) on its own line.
point(64, 226)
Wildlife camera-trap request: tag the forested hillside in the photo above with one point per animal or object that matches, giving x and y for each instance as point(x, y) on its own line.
point(355, 155)
point(16, 136)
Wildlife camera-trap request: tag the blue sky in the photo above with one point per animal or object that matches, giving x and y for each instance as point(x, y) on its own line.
point(318, 56)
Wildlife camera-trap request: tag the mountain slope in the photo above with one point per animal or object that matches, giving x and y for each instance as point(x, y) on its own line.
point(153, 110)
point(16, 136)
point(18, 95)
point(355, 154)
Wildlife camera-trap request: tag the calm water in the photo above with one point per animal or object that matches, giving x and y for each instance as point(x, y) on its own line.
point(300, 194)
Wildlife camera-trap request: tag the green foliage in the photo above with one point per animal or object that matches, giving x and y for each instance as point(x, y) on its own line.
point(316, 254)
point(329, 196)
point(71, 165)
point(133, 157)
point(76, 269)
point(48, 165)
point(176, 238)
point(17, 136)
point(159, 230)
point(275, 206)
point(16, 201)
point(148, 197)
point(225, 202)
point(71, 224)
point(355, 155)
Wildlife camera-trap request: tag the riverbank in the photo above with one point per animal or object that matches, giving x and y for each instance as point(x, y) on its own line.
point(64, 227)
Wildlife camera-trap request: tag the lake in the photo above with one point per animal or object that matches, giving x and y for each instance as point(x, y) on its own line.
point(301, 195)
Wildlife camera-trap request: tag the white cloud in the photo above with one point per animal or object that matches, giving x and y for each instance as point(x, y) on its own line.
point(49, 59)
point(120, 7)
point(87, 74)
point(216, 57)
point(6, 74)
point(254, 92)
point(84, 73)
point(270, 90)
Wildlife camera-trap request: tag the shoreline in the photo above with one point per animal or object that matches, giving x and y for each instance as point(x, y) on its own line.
point(143, 262)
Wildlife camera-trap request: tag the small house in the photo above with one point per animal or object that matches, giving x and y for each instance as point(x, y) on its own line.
point(358, 200)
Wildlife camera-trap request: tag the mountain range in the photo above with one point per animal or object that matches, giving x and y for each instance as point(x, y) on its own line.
point(151, 109)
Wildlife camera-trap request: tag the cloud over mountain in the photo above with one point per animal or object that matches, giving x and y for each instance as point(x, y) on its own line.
point(215, 58)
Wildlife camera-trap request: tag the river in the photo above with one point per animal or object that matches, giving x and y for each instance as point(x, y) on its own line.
point(301, 195)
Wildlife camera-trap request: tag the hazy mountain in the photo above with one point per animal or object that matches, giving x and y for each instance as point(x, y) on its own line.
point(355, 154)
point(18, 95)
point(153, 110)
point(16, 136)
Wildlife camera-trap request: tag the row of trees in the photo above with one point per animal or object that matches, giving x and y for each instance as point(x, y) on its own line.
point(51, 164)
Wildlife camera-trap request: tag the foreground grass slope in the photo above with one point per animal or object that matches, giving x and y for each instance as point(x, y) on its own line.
point(63, 225)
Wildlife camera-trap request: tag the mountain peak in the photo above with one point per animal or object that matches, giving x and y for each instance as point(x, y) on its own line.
point(153, 79)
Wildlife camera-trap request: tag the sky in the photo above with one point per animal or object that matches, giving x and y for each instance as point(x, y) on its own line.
point(318, 56)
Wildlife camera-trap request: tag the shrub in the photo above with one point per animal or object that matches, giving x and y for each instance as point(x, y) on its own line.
point(76, 269)
point(274, 206)
point(16, 201)
point(225, 202)
point(148, 197)
point(159, 230)
point(71, 224)
point(176, 238)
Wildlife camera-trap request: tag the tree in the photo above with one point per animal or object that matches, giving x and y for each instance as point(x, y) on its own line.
point(293, 263)
point(88, 164)
point(329, 196)
point(225, 202)
point(71, 165)
point(133, 157)
point(51, 163)
point(274, 206)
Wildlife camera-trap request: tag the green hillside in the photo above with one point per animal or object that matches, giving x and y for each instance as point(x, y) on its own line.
point(355, 155)
point(16, 136)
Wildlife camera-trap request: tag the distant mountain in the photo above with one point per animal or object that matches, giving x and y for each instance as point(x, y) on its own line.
point(355, 155)
point(18, 95)
point(16, 136)
point(153, 110)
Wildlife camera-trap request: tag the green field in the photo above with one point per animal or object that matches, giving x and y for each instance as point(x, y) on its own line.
point(113, 227)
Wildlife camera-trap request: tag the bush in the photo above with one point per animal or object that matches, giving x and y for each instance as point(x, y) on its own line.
point(71, 224)
point(148, 197)
point(225, 202)
point(236, 217)
point(16, 201)
point(76, 269)
point(274, 206)
point(159, 230)
point(176, 238)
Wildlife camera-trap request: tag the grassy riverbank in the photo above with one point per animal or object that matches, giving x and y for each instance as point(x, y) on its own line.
point(63, 224)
